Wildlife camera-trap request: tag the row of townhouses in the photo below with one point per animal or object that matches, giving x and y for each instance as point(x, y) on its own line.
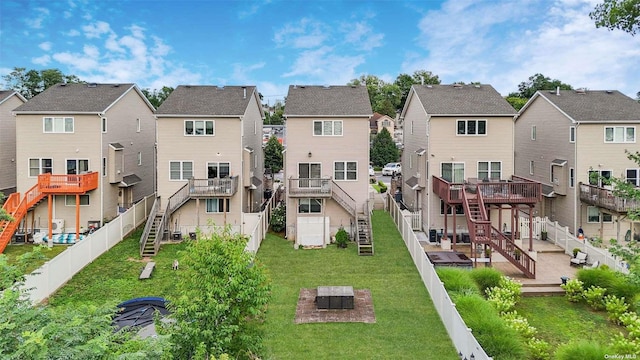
point(472, 165)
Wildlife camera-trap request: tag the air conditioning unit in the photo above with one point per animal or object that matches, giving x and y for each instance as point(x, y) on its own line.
point(57, 226)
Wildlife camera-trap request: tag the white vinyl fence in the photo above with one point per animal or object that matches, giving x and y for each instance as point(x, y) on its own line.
point(461, 336)
point(258, 224)
point(44, 281)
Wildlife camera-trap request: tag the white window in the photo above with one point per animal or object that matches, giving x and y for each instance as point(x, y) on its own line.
point(138, 125)
point(58, 124)
point(345, 170)
point(491, 170)
point(472, 127)
point(386, 123)
point(218, 170)
point(104, 124)
point(327, 128)
point(572, 177)
point(533, 132)
point(620, 134)
point(77, 166)
point(70, 200)
point(104, 166)
point(459, 209)
point(310, 206)
point(600, 178)
point(180, 170)
point(633, 177)
point(198, 128)
point(452, 172)
point(217, 205)
point(572, 134)
point(411, 127)
point(309, 174)
point(40, 166)
point(593, 215)
point(531, 167)
point(139, 158)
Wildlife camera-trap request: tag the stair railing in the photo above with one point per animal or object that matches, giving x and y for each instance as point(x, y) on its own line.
point(343, 198)
point(149, 224)
point(178, 198)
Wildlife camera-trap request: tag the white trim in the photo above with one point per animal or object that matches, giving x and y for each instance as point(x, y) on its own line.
point(103, 124)
point(454, 162)
point(184, 128)
point(39, 166)
point(489, 162)
point(345, 171)
point(313, 128)
point(572, 134)
point(77, 165)
point(74, 200)
point(181, 169)
point(476, 121)
point(64, 118)
point(624, 135)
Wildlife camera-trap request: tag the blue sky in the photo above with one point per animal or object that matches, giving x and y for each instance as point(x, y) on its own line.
point(272, 44)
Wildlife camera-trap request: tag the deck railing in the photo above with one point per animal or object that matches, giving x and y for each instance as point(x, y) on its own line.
point(310, 187)
point(67, 184)
point(213, 187)
point(517, 190)
point(605, 198)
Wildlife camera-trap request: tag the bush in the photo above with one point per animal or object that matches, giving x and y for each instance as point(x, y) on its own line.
point(342, 237)
point(583, 350)
point(574, 290)
point(486, 278)
point(382, 186)
point(504, 296)
point(615, 308)
point(616, 283)
point(520, 324)
point(457, 281)
point(279, 219)
point(631, 321)
point(491, 331)
point(538, 349)
point(595, 297)
point(623, 345)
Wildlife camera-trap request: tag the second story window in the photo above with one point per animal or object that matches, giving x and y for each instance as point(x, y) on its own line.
point(198, 128)
point(472, 127)
point(533, 132)
point(77, 166)
point(633, 177)
point(104, 124)
point(572, 134)
point(345, 170)
point(327, 128)
point(490, 170)
point(620, 134)
point(40, 166)
point(57, 124)
point(180, 170)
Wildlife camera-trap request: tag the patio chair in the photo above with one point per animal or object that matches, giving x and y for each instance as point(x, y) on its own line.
point(592, 266)
point(580, 259)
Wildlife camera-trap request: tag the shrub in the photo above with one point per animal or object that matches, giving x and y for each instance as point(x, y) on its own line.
point(279, 219)
point(519, 324)
point(497, 339)
point(616, 283)
point(623, 345)
point(457, 280)
point(631, 321)
point(538, 349)
point(573, 290)
point(486, 278)
point(615, 308)
point(342, 237)
point(583, 350)
point(595, 297)
point(504, 296)
point(382, 186)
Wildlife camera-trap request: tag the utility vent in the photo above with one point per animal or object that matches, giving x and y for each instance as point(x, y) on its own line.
point(57, 226)
point(116, 85)
point(609, 91)
point(581, 91)
point(92, 85)
point(457, 86)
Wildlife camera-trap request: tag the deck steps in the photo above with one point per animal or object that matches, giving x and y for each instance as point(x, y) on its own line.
point(149, 246)
point(364, 236)
point(542, 289)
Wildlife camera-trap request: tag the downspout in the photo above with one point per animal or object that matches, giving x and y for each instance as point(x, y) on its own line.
point(101, 175)
point(575, 175)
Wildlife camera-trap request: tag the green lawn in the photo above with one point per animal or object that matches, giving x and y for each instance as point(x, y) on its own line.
point(113, 277)
point(407, 325)
point(15, 250)
point(559, 321)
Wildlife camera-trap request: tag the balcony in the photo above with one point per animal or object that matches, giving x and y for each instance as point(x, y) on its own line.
point(314, 188)
point(208, 188)
point(67, 184)
point(604, 198)
point(518, 190)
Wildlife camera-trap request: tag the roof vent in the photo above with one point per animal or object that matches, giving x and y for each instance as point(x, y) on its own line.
point(429, 86)
point(63, 84)
point(581, 91)
point(326, 87)
point(116, 85)
point(457, 86)
point(92, 85)
point(609, 91)
point(244, 92)
point(220, 87)
point(477, 86)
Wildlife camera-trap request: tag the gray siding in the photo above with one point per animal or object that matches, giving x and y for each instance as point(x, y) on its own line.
point(8, 144)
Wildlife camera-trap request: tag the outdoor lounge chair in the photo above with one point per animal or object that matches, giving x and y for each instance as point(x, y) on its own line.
point(580, 259)
point(592, 266)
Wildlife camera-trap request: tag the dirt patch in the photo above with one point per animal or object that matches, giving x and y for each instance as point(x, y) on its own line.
point(306, 311)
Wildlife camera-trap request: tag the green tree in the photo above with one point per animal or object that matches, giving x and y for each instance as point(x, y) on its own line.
point(157, 97)
point(223, 297)
point(4, 216)
point(526, 89)
point(405, 81)
point(618, 14)
point(273, 155)
point(277, 117)
point(383, 149)
point(516, 102)
point(32, 82)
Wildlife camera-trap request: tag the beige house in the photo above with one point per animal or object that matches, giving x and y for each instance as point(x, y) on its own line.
point(326, 161)
point(210, 158)
point(85, 153)
point(564, 139)
point(9, 100)
point(379, 122)
point(458, 156)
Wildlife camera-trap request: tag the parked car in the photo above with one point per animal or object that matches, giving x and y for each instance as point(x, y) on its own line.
point(392, 169)
point(371, 171)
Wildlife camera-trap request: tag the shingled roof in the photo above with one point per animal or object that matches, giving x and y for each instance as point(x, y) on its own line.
point(462, 100)
point(76, 98)
point(207, 101)
point(594, 105)
point(303, 100)
point(6, 94)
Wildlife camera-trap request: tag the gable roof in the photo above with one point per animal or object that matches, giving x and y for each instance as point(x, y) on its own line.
point(458, 99)
point(304, 100)
point(6, 94)
point(207, 100)
point(592, 105)
point(78, 98)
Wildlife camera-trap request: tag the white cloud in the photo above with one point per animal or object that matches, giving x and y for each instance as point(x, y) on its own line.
point(361, 34)
point(324, 66)
point(42, 60)
point(72, 33)
point(46, 46)
point(303, 34)
point(240, 74)
point(96, 30)
point(38, 16)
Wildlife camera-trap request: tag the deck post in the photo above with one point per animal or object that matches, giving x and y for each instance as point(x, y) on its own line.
point(77, 217)
point(530, 228)
point(50, 218)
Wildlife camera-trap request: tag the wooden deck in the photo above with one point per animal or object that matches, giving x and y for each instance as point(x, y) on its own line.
point(604, 198)
point(517, 190)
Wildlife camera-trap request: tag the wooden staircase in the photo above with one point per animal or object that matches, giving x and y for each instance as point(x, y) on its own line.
point(365, 235)
point(17, 208)
point(481, 232)
point(149, 248)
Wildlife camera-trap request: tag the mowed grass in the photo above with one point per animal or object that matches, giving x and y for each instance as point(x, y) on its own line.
point(113, 277)
point(13, 251)
point(407, 324)
point(559, 321)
